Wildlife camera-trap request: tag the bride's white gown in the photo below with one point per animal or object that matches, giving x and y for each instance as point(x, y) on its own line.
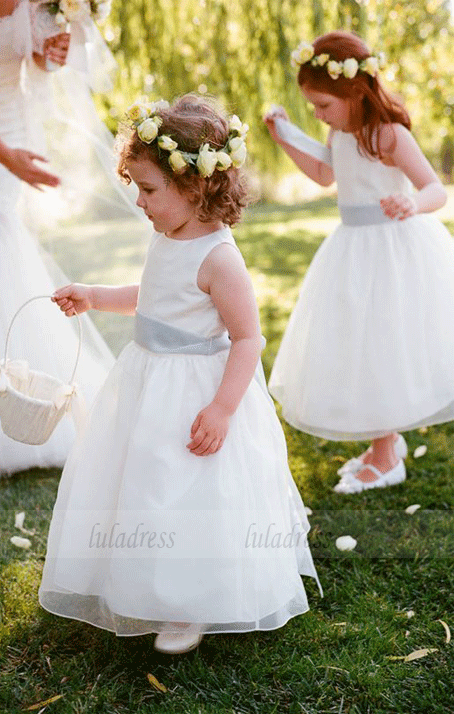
point(41, 335)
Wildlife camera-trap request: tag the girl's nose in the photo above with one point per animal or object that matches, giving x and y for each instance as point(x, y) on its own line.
point(140, 202)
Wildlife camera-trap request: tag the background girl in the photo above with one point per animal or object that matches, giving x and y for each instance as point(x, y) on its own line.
point(187, 518)
point(369, 349)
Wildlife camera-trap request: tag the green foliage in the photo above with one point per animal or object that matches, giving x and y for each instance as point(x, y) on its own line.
point(240, 52)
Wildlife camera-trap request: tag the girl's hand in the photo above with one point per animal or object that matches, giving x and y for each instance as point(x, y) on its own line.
point(74, 298)
point(269, 121)
point(56, 48)
point(399, 206)
point(21, 163)
point(209, 430)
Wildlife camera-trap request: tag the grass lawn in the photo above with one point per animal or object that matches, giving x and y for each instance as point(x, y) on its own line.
point(383, 601)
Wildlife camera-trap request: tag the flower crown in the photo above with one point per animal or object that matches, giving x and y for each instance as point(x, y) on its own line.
point(348, 67)
point(146, 119)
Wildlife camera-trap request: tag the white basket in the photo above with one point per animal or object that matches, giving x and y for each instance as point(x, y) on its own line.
point(31, 402)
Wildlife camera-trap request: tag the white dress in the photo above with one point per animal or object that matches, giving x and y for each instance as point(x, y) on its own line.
point(229, 529)
point(41, 335)
point(369, 348)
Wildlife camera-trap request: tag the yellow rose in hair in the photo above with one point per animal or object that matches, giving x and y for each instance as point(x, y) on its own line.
point(137, 111)
point(75, 9)
point(334, 69)
point(206, 160)
point(224, 161)
point(148, 130)
point(177, 162)
point(370, 65)
point(350, 68)
point(165, 142)
point(322, 59)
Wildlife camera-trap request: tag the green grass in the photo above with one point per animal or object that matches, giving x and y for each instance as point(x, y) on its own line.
point(336, 658)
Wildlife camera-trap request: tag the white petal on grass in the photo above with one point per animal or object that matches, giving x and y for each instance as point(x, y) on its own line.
point(345, 543)
point(417, 654)
point(420, 451)
point(20, 542)
point(19, 519)
point(308, 510)
point(19, 523)
point(447, 630)
point(412, 509)
point(410, 613)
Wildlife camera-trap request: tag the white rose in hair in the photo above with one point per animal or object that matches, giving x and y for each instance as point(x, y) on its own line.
point(304, 52)
point(371, 66)
point(334, 69)
point(148, 130)
point(177, 162)
point(238, 151)
point(350, 68)
point(206, 160)
point(224, 161)
point(165, 142)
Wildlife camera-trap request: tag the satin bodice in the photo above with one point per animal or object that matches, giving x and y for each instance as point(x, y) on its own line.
point(362, 181)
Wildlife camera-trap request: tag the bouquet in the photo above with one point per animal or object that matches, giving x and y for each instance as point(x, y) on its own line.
point(51, 18)
point(64, 11)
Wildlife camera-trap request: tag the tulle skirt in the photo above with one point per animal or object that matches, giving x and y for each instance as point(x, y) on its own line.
point(41, 335)
point(144, 532)
point(369, 347)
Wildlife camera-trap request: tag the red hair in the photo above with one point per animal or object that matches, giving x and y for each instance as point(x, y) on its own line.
point(370, 104)
point(191, 121)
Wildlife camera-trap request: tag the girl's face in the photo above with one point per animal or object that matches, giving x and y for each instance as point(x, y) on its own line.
point(169, 210)
point(328, 108)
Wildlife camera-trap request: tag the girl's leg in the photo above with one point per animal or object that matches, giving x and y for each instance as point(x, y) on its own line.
point(382, 456)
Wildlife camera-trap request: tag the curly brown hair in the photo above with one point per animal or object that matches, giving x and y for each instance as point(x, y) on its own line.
point(191, 121)
point(370, 104)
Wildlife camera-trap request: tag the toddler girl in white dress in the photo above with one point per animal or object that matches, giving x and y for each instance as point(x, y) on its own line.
point(176, 512)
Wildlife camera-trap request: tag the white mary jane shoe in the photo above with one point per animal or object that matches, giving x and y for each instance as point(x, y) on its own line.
point(356, 463)
point(178, 638)
point(351, 484)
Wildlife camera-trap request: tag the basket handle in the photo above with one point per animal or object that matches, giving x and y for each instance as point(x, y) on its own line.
point(39, 297)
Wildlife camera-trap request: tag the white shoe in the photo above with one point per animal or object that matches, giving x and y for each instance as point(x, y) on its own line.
point(178, 638)
point(349, 483)
point(357, 462)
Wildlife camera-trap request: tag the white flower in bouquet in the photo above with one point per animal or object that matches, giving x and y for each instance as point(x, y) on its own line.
point(75, 9)
point(101, 10)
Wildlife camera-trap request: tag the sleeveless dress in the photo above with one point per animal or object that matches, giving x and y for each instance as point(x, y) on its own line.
point(228, 530)
point(41, 335)
point(369, 348)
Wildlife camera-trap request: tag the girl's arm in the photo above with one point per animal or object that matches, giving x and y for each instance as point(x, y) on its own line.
point(224, 276)
point(78, 298)
point(316, 170)
point(405, 153)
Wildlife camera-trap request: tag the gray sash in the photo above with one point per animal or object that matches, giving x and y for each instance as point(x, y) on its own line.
point(157, 336)
point(363, 215)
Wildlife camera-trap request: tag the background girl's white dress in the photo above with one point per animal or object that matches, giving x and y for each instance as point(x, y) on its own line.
point(369, 347)
point(219, 555)
point(41, 335)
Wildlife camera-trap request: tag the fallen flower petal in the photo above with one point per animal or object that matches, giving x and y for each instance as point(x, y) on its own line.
point(156, 684)
point(417, 654)
point(308, 510)
point(412, 509)
point(38, 705)
point(345, 543)
point(447, 630)
point(420, 451)
point(410, 613)
point(20, 542)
